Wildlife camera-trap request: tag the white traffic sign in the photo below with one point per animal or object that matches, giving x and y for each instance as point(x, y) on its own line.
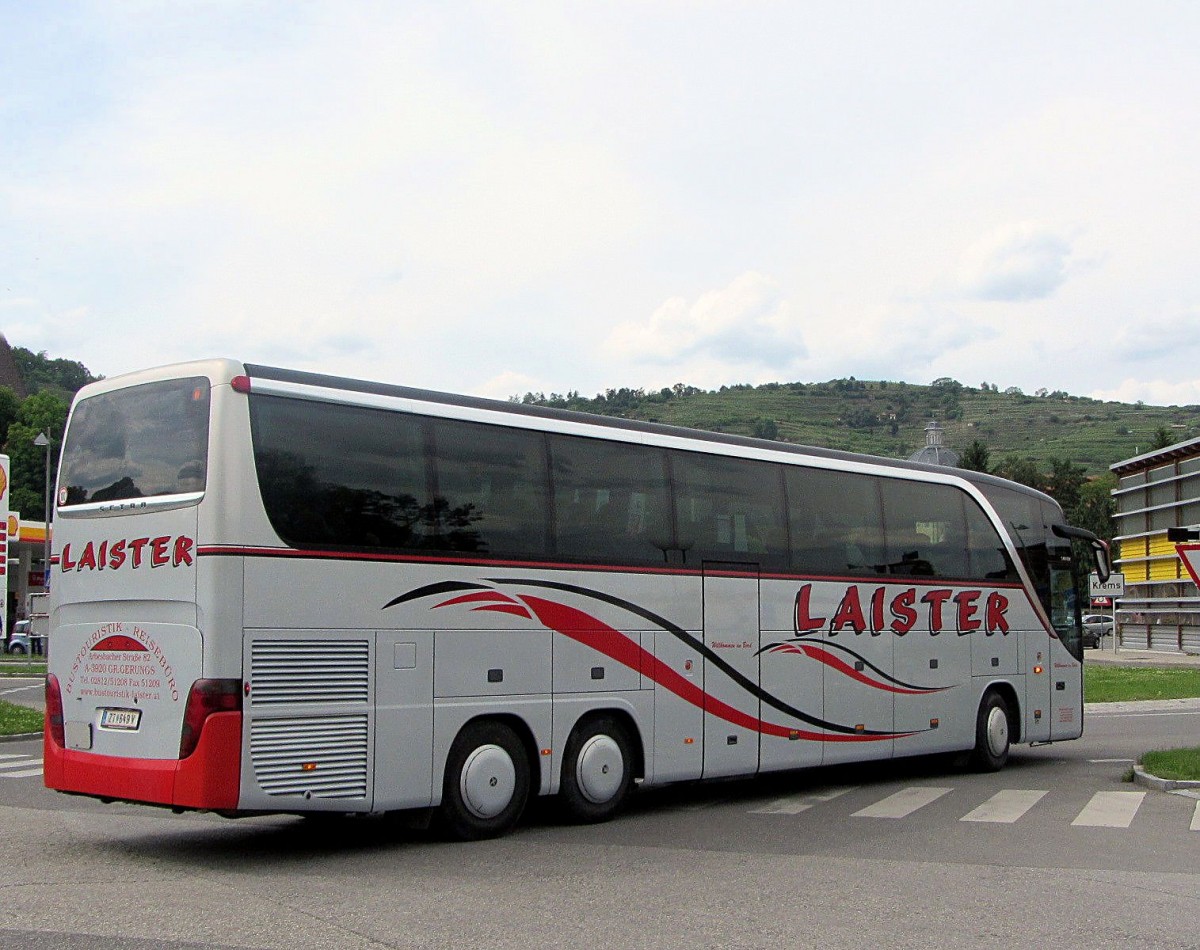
point(1113, 587)
point(1190, 555)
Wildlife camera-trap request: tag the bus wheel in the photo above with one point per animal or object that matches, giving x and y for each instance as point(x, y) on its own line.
point(597, 770)
point(991, 734)
point(487, 782)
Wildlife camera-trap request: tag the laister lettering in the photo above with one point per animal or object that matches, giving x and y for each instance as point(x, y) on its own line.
point(905, 617)
point(849, 613)
point(967, 609)
point(183, 551)
point(805, 622)
point(935, 599)
point(158, 552)
point(994, 611)
point(116, 554)
point(137, 544)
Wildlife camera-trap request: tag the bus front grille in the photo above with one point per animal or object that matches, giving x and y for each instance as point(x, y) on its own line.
point(322, 757)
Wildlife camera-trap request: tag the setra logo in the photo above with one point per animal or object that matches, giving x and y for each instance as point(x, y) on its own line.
point(129, 553)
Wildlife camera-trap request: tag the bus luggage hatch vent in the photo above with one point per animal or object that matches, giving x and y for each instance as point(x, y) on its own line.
point(309, 671)
point(321, 757)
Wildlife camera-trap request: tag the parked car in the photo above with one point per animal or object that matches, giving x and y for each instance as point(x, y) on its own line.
point(18, 638)
point(1095, 628)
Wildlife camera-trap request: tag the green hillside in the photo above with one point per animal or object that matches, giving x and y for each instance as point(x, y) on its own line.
point(889, 418)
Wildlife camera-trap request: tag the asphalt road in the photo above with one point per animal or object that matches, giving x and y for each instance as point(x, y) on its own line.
point(1055, 851)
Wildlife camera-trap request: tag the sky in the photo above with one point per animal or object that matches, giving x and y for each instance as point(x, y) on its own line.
point(501, 197)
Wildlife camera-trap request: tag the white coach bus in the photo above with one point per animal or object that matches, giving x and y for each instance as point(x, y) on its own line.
point(276, 591)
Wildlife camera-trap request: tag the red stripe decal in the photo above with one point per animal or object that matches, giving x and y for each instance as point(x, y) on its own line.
point(843, 667)
point(591, 632)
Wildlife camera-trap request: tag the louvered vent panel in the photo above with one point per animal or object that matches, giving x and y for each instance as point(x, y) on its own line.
point(309, 671)
point(324, 757)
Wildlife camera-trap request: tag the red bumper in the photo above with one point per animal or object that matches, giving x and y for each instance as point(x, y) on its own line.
point(209, 778)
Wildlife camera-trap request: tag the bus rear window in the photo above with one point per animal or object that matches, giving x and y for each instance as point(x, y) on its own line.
point(140, 442)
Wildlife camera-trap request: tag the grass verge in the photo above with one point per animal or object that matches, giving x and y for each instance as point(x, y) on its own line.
point(22, 668)
point(1112, 684)
point(15, 720)
point(1177, 765)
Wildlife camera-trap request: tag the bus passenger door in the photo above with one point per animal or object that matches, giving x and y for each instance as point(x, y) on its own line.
point(731, 634)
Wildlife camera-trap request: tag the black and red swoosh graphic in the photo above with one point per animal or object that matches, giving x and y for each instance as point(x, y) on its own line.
point(584, 628)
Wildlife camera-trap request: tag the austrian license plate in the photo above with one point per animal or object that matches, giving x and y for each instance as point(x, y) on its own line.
point(127, 719)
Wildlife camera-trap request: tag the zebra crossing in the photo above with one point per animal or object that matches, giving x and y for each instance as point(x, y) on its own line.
point(17, 765)
point(1104, 809)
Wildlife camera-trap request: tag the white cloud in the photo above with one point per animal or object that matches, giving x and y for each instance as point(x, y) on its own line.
point(1156, 392)
point(746, 324)
point(1019, 262)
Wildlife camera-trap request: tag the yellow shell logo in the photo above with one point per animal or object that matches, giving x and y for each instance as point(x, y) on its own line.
point(3, 482)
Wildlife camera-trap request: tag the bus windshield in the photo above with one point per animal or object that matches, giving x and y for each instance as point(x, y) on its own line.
point(140, 442)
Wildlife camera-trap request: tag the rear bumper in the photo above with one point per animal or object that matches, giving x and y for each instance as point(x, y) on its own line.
point(208, 779)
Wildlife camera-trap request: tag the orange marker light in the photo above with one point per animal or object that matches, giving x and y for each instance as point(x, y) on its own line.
point(688, 741)
point(308, 767)
point(1037, 669)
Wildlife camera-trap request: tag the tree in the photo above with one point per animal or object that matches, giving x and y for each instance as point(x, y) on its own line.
point(1023, 470)
point(41, 412)
point(1096, 507)
point(976, 458)
point(1065, 482)
point(1162, 438)
point(9, 404)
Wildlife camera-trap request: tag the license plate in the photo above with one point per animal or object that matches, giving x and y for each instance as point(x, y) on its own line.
point(127, 719)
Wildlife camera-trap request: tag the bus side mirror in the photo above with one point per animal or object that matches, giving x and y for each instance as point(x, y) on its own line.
point(1099, 548)
point(1179, 535)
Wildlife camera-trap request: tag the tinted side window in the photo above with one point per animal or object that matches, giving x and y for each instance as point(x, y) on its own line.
point(491, 489)
point(340, 476)
point(610, 501)
point(989, 559)
point(729, 510)
point(926, 529)
point(837, 522)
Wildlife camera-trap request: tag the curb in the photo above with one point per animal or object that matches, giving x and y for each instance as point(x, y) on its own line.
point(21, 737)
point(1146, 780)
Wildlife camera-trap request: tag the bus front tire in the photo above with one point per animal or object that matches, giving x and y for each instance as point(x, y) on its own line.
point(486, 784)
point(597, 770)
point(991, 734)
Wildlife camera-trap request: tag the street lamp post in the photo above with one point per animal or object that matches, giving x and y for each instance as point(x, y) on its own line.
point(43, 441)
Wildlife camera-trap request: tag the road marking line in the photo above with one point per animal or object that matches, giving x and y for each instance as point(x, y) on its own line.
point(794, 804)
point(1196, 818)
point(26, 761)
point(903, 803)
point(1006, 806)
point(1110, 810)
point(30, 773)
point(1103, 761)
point(14, 755)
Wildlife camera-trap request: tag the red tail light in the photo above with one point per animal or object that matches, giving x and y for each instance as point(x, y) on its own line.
point(207, 696)
point(54, 711)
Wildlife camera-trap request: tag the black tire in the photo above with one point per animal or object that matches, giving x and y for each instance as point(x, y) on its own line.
point(597, 771)
point(992, 739)
point(486, 784)
point(17, 650)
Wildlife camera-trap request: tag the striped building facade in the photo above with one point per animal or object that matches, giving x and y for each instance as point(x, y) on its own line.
point(1157, 491)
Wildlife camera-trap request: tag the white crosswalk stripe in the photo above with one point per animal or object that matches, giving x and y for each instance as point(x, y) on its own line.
point(1008, 806)
point(19, 766)
point(1110, 810)
point(795, 804)
point(1005, 806)
point(903, 803)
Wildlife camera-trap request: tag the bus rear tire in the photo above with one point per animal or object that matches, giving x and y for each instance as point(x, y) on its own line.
point(992, 740)
point(597, 770)
point(486, 784)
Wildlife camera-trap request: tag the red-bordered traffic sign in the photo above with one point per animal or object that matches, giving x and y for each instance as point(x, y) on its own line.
point(1190, 555)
